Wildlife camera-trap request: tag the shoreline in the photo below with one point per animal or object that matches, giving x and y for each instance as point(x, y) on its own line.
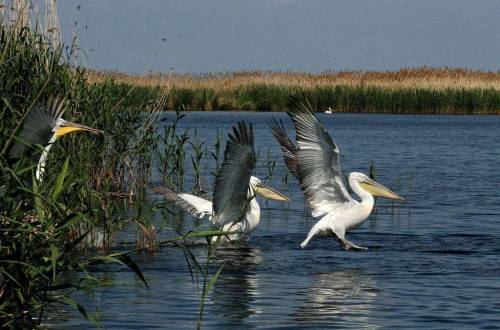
point(407, 91)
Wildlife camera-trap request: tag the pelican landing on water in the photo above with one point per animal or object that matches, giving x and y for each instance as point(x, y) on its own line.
point(234, 207)
point(314, 161)
point(44, 125)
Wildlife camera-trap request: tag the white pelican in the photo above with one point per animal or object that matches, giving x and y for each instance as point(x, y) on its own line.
point(44, 125)
point(234, 207)
point(315, 163)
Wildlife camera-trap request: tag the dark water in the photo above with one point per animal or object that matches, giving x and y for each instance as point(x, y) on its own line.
point(433, 261)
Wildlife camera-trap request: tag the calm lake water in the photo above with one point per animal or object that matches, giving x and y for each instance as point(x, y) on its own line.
point(433, 261)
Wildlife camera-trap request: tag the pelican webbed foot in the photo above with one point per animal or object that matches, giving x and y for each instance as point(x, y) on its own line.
point(349, 245)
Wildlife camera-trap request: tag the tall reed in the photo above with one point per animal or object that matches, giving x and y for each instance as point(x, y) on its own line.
point(171, 153)
point(421, 90)
point(199, 152)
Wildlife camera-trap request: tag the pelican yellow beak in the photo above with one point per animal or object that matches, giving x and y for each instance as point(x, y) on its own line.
point(376, 189)
point(68, 127)
point(270, 193)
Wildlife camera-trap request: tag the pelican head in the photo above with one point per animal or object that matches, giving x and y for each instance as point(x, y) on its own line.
point(64, 127)
point(371, 186)
point(265, 191)
point(44, 125)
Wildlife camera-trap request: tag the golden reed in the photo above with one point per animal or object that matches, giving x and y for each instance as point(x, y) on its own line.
point(418, 90)
point(425, 78)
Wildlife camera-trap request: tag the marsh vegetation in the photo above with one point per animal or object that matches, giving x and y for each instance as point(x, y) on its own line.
point(55, 234)
point(407, 91)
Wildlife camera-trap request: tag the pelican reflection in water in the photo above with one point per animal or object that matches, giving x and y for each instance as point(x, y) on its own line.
point(234, 295)
point(341, 299)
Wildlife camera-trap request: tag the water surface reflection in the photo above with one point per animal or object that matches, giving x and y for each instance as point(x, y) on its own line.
point(234, 294)
point(341, 298)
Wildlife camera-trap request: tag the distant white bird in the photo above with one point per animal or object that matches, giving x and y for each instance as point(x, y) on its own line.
point(315, 163)
point(234, 207)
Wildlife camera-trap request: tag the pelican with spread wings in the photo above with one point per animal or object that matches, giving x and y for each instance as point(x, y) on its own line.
point(44, 125)
point(314, 161)
point(234, 207)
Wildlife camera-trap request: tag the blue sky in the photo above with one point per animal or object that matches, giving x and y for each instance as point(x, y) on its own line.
point(297, 35)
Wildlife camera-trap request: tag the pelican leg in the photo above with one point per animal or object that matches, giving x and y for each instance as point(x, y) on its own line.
point(349, 245)
point(316, 229)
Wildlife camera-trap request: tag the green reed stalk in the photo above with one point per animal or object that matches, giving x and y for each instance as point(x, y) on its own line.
point(199, 153)
point(172, 155)
point(216, 154)
point(271, 164)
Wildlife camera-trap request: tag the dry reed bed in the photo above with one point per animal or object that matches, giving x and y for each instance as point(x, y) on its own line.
point(422, 90)
point(424, 78)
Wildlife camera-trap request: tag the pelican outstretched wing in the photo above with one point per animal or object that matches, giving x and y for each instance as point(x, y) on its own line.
point(232, 182)
point(318, 162)
point(288, 149)
point(194, 205)
point(39, 124)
